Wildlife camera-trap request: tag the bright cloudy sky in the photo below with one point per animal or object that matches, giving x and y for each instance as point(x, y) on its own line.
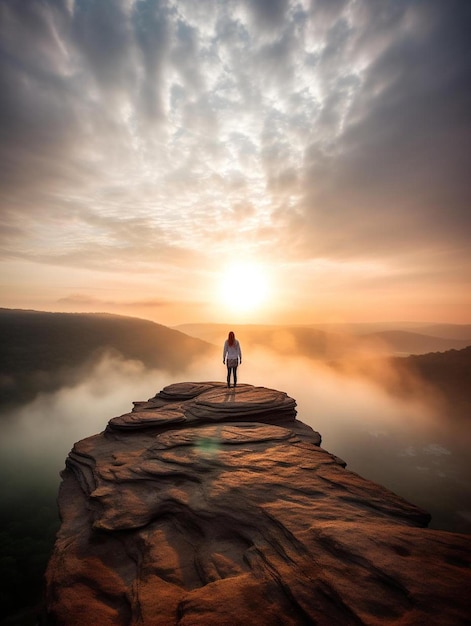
point(311, 155)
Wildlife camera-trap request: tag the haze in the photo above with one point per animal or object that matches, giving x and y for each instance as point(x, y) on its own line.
point(312, 154)
point(406, 445)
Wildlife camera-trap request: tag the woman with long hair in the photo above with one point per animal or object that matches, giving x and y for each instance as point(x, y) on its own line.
point(231, 355)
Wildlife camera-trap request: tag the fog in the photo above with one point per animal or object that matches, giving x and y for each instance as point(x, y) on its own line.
point(407, 446)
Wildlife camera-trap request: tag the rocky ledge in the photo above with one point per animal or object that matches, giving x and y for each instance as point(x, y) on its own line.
point(213, 506)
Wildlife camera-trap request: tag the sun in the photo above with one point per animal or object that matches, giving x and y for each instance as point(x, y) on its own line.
point(244, 286)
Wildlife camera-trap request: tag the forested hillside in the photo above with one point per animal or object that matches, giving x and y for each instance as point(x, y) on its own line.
point(42, 351)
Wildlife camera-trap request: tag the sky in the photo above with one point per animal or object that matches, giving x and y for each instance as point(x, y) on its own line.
point(275, 161)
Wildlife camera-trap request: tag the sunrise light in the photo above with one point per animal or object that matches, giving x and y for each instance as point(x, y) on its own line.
point(244, 287)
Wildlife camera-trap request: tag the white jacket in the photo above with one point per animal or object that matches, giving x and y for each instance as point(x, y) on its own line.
point(231, 352)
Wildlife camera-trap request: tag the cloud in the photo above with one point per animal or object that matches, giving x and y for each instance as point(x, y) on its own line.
point(83, 300)
point(134, 132)
point(392, 162)
point(87, 302)
point(268, 14)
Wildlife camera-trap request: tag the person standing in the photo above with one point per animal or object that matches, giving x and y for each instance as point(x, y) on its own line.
point(232, 357)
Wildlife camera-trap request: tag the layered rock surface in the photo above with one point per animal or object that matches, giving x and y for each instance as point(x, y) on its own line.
point(214, 506)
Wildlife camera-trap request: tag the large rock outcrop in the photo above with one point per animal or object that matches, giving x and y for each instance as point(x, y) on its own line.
point(213, 506)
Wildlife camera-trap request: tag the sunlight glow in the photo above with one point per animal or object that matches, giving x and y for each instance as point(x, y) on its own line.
point(244, 286)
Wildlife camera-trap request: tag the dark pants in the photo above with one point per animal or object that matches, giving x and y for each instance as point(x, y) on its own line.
point(234, 373)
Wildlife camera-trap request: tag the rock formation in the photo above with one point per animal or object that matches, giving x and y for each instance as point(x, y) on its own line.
point(213, 506)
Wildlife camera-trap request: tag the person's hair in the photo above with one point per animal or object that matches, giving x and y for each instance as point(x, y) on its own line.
point(231, 338)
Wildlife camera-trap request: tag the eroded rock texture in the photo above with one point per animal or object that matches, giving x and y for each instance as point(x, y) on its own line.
point(214, 506)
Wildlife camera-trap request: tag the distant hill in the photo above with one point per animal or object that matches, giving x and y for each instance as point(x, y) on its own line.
point(444, 331)
point(447, 372)
point(444, 378)
point(42, 351)
point(448, 331)
point(337, 342)
point(400, 341)
point(284, 340)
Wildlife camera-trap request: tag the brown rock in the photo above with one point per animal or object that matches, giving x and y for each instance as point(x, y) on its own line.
point(198, 509)
point(208, 402)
